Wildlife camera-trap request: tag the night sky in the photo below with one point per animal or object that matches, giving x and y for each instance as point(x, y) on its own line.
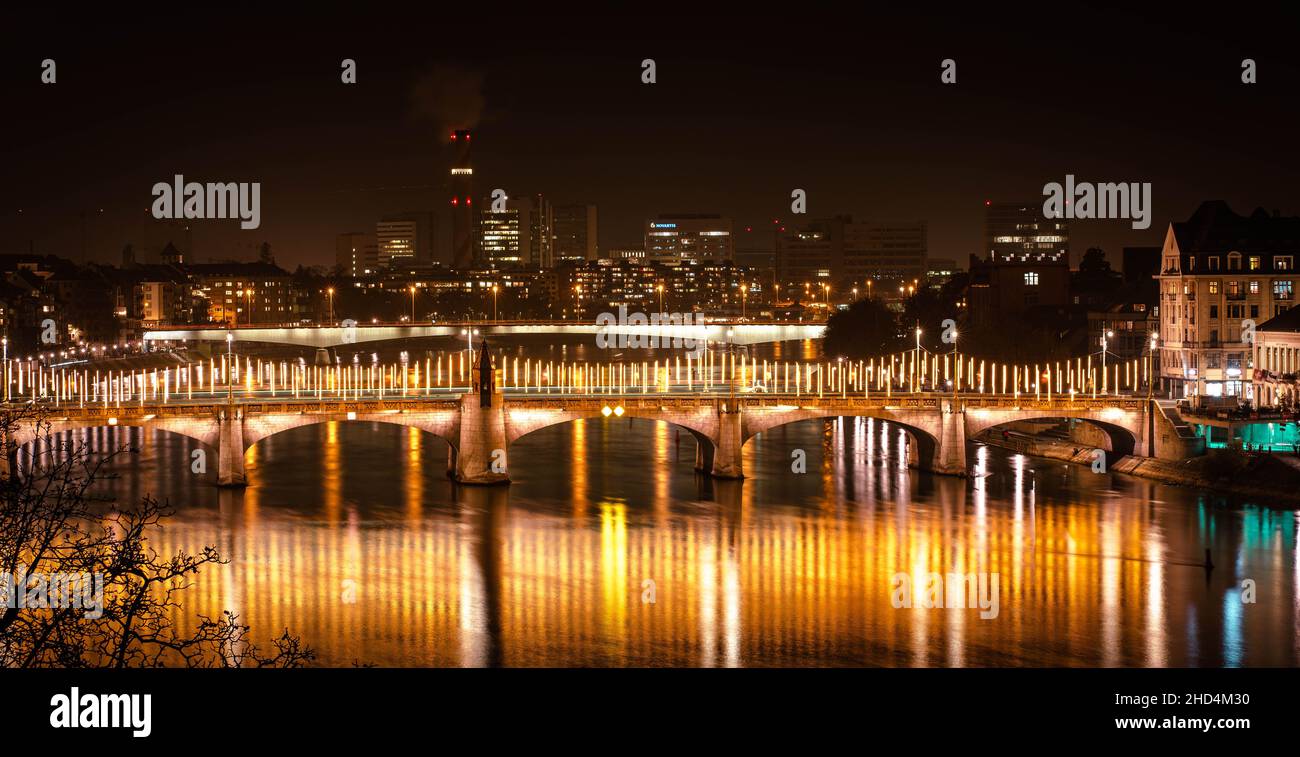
point(747, 107)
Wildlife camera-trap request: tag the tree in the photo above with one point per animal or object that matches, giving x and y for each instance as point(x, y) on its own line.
point(264, 254)
point(54, 536)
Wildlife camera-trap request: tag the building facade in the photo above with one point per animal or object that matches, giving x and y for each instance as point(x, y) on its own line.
point(1026, 264)
point(1221, 276)
point(502, 235)
point(245, 293)
point(1275, 376)
point(844, 253)
point(404, 239)
point(575, 233)
point(356, 254)
point(697, 237)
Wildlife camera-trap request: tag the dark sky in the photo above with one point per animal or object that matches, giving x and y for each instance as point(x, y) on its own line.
point(748, 106)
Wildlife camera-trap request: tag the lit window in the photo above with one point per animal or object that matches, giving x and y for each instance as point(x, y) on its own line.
point(1031, 279)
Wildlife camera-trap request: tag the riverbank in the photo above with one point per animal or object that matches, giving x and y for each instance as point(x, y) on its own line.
point(1273, 478)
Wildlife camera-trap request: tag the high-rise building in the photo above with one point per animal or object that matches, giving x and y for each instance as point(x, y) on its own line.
point(505, 236)
point(541, 234)
point(892, 251)
point(356, 254)
point(1221, 275)
point(1019, 230)
point(845, 253)
point(1028, 263)
point(405, 238)
point(810, 252)
point(462, 202)
point(575, 233)
point(689, 237)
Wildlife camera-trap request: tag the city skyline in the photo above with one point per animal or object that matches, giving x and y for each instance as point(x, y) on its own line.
point(640, 337)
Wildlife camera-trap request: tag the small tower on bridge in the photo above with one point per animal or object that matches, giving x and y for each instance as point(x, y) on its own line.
point(486, 376)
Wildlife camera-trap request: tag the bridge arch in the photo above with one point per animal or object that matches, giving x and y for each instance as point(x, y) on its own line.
point(701, 423)
point(1121, 429)
point(203, 431)
point(443, 424)
point(923, 438)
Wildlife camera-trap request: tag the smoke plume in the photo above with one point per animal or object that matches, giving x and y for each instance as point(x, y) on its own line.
point(449, 96)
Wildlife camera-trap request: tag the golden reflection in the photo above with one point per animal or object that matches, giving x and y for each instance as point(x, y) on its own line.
point(578, 456)
point(744, 576)
point(662, 473)
point(332, 475)
point(414, 473)
point(613, 567)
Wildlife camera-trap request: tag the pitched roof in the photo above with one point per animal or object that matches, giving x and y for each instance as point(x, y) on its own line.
point(236, 269)
point(1288, 320)
point(1214, 227)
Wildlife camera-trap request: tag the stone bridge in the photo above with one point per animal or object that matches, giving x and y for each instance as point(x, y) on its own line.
point(479, 439)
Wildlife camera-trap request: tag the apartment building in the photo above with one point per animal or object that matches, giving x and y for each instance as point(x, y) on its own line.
point(1221, 276)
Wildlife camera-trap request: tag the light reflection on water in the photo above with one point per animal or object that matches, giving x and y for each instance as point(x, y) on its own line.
point(352, 537)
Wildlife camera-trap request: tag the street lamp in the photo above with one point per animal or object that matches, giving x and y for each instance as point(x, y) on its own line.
point(916, 361)
point(744, 291)
point(956, 358)
point(1105, 342)
point(1151, 366)
point(330, 292)
point(230, 365)
point(494, 302)
point(660, 287)
point(248, 300)
point(412, 303)
point(469, 342)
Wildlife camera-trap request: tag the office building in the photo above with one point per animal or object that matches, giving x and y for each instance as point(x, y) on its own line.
point(689, 237)
point(356, 254)
point(575, 233)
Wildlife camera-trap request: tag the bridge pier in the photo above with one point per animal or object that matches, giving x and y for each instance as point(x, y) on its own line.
point(480, 456)
point(950, 447)
point(703, 452)
point(727, 460)
point(230, 448)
